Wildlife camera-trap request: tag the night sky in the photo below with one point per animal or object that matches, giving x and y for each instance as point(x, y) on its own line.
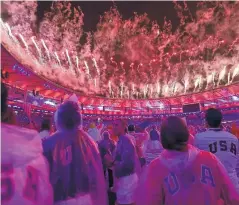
point(92, 10)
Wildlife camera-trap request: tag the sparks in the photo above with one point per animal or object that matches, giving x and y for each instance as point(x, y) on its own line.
point(68, 58)
point(96, 66)
point(2, 24)
point(57, 58)
point(77, 62)
point(24, 42)
point(158, 87)
point(87, 68)
point(116, 56)
point(37, 48)
point(46, 49)
point(186, 85)
point(235, 72)
point(222, 74)
point(110, 89)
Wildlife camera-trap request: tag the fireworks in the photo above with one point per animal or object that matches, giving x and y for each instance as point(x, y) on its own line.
point(132, 58)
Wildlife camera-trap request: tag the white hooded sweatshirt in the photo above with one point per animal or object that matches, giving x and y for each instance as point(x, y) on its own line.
point(24, 170)
point(186, 178)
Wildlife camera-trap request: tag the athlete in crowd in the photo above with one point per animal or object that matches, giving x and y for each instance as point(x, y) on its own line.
point(184, 175)
point(138, 138)
point(126, 165)
point(76, 168)
point(152, 146)
point(221, 143)
point(24, 170)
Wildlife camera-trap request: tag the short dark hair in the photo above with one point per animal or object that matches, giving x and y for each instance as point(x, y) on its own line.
point(46, 124)
point(174, 133)
point(131, 128)
point(154, 135)
point(68, 115)
point(4, 96)
point(213, 117)
point(106, 135)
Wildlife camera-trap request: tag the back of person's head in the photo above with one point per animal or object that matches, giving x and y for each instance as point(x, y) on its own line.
point(154, 135)
point(120, 127)
point(213, 117)
point(131, 128)
point(106, 135)
point(92, 125)
point(68, 116)
point(46, 124)
point(174, 134)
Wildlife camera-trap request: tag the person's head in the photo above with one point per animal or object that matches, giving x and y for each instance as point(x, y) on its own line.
point(213, 117)
point(92, 125)
point(68, 116)
point(120, 127)
point(131, 128)
point(106, 135)
point(174, 134)
point(4, 96)
point(154, 127)
point(46, 125)
point(154, 135)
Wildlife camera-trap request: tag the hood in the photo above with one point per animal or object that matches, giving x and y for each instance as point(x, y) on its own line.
point(179, 161)
point(19, 145)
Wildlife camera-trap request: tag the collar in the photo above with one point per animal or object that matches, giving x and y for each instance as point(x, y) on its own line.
point(215, 129)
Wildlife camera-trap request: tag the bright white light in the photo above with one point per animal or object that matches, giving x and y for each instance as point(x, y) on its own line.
point(50, 103)
point(68, 58)
point(23, 40)
point(89, 107)
point(207, 104)
point(222, 73)
point(158, 87)
point(161, 105)
point(77, 62)
point(57, 58)
point(36, 46)
point(100, 107)
point(46, 49)
point(87, 68)
point(235, 98)
point(96, 66)
point(222, 100)
point(236, 71)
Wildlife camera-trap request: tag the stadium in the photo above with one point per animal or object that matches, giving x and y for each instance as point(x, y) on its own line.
point(134, 69)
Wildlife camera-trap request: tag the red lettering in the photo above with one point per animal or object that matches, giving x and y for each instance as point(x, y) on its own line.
point(7, 184)
point(8, 187)
point(66, 156)
point(31, 188)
